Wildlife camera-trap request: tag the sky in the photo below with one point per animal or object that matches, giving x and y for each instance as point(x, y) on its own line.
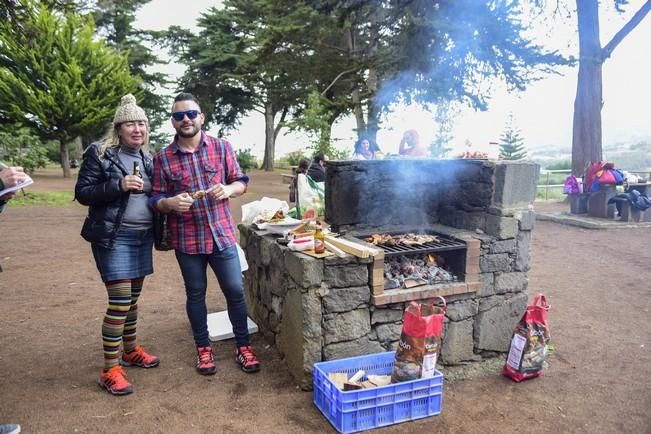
point(543, 112)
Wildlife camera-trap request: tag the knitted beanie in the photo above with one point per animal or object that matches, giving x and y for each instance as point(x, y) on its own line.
point(129, 111)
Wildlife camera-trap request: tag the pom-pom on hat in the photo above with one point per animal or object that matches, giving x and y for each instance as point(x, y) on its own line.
point(129, 111)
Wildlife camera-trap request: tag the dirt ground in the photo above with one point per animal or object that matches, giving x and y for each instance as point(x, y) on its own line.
point(598, 379)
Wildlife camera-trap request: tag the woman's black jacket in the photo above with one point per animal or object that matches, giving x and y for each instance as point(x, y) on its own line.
point(99, 187)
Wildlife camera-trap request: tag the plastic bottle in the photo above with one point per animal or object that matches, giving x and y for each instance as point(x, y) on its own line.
point(319, 240)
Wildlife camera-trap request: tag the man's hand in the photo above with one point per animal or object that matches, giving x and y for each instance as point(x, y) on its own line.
point(132, 182)
point(179, 203)
point(220, 191)
point(12, 176)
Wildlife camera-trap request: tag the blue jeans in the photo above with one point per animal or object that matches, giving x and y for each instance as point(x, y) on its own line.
point(226, 266)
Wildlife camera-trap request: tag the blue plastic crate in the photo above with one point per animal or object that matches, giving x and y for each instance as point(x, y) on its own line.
point(363, 409)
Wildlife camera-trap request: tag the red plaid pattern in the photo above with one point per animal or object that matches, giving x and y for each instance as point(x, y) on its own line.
point(208, 221)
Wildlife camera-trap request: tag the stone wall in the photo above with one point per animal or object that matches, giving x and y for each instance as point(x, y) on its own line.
point(322, 309)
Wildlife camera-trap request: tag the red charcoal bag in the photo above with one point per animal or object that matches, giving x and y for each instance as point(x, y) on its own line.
point(529, 342)
point(420, 341)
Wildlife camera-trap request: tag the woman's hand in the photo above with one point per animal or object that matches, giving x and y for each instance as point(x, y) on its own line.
point(132, 182)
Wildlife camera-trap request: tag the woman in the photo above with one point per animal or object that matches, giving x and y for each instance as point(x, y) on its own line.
point(410, 145)
point(119, 228)
point(365, 150)
point(303, 167)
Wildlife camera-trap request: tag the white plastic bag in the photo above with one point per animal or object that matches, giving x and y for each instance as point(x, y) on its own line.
point(244, 265)
point(310, 201)
point(265, 208)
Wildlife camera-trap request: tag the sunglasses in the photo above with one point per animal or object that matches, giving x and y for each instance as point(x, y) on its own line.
point(191, 114)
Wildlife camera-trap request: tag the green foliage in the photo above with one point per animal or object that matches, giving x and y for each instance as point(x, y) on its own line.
point(561, 165)
point(511, 142)
point(23, 149)
point(114, 20)
point(295, 157)
point(56, 199)
point(57, 79)
point(246, 159)
point(340, 154)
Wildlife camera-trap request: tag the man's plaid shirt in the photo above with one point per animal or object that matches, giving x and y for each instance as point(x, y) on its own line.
point(177, 171)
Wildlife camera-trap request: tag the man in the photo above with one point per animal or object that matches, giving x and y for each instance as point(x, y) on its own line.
point(317, 168)
point(193, 179)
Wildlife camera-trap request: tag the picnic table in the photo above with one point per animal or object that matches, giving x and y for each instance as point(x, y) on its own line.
point(598, 206)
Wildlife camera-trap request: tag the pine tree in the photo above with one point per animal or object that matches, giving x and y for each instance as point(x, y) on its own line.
point(511, 142)
point(58, 80)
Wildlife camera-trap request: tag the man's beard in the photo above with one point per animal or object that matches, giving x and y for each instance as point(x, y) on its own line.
point(187, 135)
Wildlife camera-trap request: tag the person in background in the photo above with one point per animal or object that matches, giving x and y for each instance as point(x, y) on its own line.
point(202, 229)
point(410, 145)
point(119, 228)
point(317, 168)
point(302, 168)
point(365, 149)
point(9, 176)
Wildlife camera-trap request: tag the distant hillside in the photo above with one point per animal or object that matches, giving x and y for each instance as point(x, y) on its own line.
point(631, 156)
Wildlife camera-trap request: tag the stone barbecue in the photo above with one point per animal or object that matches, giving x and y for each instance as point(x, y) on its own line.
point(316, 309)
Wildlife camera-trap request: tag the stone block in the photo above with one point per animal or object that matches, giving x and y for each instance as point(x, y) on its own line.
point(522, 258)
point(346, 326)
point(380, 315)
point(307, 272)
point(487, 284)
point(300, 338)
point(501, 227)
point(462, 310)
point(515, 183)
point(343, 276)
point(277, 254)
point(475, 195)
point(458, 343)
point(346, 299)
point(497, 317)
point(493, 263)
point(357, 347)
point(526, 219)
point(387, 333)
point(510, 282)
point(504, 246)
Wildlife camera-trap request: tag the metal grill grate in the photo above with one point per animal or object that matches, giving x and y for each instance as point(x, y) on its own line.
point(444, 244)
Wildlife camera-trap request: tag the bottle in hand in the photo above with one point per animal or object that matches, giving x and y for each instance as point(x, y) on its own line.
point(319, 240)
point(136, 172)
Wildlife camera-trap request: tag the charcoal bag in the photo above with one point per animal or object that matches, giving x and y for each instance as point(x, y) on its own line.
point(529, 342)
point(420, 341)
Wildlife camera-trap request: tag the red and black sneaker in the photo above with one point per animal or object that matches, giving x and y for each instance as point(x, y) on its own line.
point(115, 381)
point(139, 357)
point(205, 361)
point(245, 357)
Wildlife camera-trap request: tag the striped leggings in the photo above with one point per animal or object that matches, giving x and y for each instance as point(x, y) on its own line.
point(119, 326)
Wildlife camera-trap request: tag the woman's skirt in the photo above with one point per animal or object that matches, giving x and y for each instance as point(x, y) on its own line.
point(130, 257)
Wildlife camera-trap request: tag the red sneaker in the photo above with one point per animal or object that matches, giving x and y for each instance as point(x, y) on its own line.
point(205, 361)
point(245, 357)
point(115, 381)
point(139, 357)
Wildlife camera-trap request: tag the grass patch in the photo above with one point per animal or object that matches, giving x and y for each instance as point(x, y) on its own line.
point(57, 199)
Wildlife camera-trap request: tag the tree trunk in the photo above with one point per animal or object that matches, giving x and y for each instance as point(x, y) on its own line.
point(586, 132)
point(269, 137)
point(65, 159)
point(79, 149)
point(359, 113)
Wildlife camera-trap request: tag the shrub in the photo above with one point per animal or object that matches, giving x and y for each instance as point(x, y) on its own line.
point(246, 159)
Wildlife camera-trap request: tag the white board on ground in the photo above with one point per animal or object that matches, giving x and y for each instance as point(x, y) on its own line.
point(220, 328)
